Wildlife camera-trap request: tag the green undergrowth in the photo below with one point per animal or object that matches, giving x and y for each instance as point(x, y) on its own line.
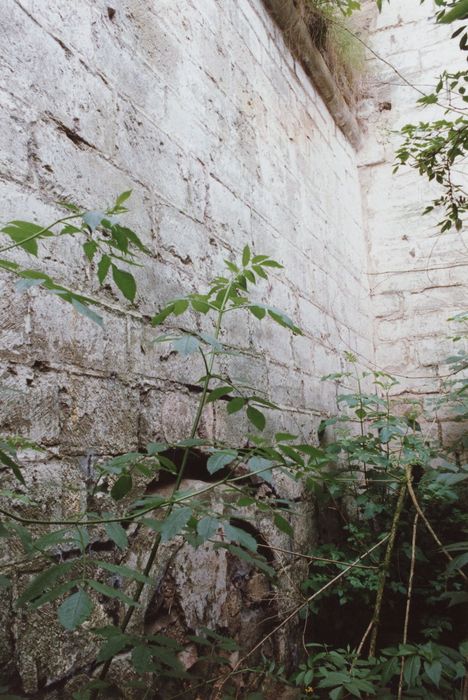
point(379, 611)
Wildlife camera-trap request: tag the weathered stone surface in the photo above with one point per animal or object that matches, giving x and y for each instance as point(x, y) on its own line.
point(202, 111)
point(417, 277)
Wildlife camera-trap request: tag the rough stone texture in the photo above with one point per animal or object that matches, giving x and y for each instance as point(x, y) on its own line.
point(417, 276)
point(200, 108)
point(203, 112)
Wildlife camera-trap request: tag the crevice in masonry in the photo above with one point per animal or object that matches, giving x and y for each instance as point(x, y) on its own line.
point(195, 469)
point(263, 547)
point(70, 133)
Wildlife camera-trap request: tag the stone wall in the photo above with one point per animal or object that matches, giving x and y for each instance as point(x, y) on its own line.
point(200, 109)
point(202, 112)
point(417, 276)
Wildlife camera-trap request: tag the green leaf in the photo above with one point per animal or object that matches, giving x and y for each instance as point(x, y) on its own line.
point(90, 248)
point(186, 344)
point(142, 659)
point(125, 282)
point(235, 405)
point(8, 264)
point(113, 646)
point(236, 534)
point(162, 315)
point(180, 307)
point(117, 534)
point(132, 237)
point(53, 594)
point(283, 525)
point(175, 523)
point(218, 393)
point(122, 198)
point(103, 268)
point(411, 670)
point(110, 592)
point(92, 219)
point(230, 265)
point(256, 417)
point(85, 310)
point(245, 501)
point(154, 448)
point(119, 239)
point(261, 466)
point(258, 311)
point(260, 271)
point(200, 306)
point(458, 562)
point(283, 320)
point(191, 442)
point(245, 256)
point(285, 437)
point(219, 460)
point(272, 263)
point(208, 526)
point(246, 556)
point(460, 11)
point(15, 468)
point(121, 487)
point(20, 231)
point(42, 581)
point(52, 539)
point(433, 671)
point(75, 610)
point(124, 571)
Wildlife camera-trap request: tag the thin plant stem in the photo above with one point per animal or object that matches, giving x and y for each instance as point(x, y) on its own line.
point(386, 566)
point(364, 638)
point(157, 540)
point(299, 555)
point(408, 601)
point(39, 233)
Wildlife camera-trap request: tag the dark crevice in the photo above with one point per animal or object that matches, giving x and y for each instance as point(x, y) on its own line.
point(195, 468)
point(71, 134)
point(263, 547)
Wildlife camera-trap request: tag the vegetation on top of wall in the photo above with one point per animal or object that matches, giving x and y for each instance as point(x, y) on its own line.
point(328, 24)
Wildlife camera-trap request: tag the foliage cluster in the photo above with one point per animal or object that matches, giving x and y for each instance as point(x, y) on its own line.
point(328, 22)
point(378, 476)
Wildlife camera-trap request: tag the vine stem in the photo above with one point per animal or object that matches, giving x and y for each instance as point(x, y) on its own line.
point(408, 601)
point(299, 555)
point(386, 565)
point(298, 608)
point(135, 516)
point(157, 540)
point(40, 232)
